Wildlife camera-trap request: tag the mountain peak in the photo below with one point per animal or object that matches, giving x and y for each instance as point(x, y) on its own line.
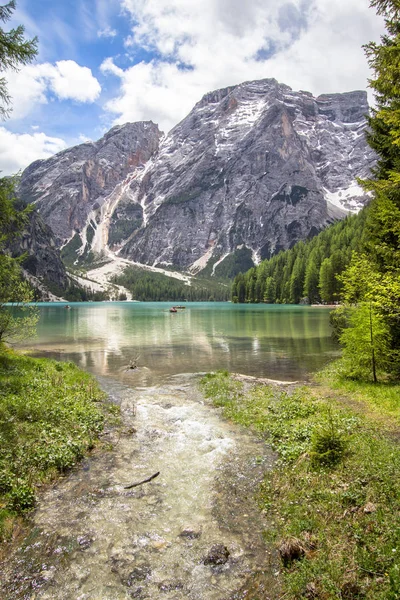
point(348, 107)
point(253, 168)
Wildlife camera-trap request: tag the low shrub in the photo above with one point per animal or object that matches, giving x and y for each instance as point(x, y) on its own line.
point(328, 445)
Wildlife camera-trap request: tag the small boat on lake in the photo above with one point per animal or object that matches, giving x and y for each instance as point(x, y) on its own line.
point(173, 309)
point(179, 307)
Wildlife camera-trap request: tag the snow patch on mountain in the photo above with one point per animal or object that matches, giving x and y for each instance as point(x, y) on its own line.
point(346, 198)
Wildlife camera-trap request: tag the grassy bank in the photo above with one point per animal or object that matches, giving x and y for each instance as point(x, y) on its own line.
point(333, 498)
point(50, 415)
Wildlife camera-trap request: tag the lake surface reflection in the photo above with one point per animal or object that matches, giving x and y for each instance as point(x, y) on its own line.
point(274, 341)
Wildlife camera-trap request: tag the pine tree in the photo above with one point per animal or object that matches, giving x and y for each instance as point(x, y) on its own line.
point(311, 290)
point(234, 290)
point(241, 288)
point(327, 281)
point(383, 223)
point(270, 290)
point(12, 288)
point(15, 51)
point(251, 279)
point(366, 350)
point(373, 299)
point(375, 277)
point(297, 279)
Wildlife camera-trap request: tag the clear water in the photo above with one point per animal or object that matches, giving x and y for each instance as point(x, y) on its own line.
point(278, 342)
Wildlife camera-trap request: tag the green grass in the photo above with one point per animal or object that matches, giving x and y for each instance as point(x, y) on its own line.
point(50, 415)
point(334, 517)
point(382, 399)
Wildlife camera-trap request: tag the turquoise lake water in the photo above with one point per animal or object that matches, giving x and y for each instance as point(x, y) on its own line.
point(276, 341)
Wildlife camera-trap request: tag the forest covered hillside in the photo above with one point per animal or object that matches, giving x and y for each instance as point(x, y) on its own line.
point(308, 271)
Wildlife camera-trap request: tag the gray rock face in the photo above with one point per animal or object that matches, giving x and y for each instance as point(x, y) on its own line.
point(257, 165)
point(43, 259)
point(76, 182)
point(254, 166)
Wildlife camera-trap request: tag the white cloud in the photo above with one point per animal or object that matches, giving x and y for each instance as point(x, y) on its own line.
point(107, 32)
point(105, 9)
point(147, 95)
point(27, 89)
point(308, 44)
point(83, 139)
point(95, 18)
point(66, 79)
point(329, 57)
point(17, 151)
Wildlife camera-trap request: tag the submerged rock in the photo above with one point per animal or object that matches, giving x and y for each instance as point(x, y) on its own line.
point(190, 534)
point(217, 555)
point(84, 542)
point(170, 586)
point(138, 574)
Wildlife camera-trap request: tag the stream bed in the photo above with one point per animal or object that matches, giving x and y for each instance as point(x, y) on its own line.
point(193, 532)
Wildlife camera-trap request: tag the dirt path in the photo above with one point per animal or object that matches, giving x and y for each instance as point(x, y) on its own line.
point(95, 540)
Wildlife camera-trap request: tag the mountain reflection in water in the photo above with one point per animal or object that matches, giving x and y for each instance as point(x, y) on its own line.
point(274, 341)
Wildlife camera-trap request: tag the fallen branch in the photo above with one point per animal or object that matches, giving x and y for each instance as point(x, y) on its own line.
point(133, 363)
point(128, 487)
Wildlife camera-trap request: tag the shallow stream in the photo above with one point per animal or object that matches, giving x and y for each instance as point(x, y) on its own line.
point(95, 540)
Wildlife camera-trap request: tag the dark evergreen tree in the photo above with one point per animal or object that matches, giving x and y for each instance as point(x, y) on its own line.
point(372, 282)
point(241, 288)
point(12, 288)
point(297, 279)
point(311, 281)
point(270, 290)
point(15, 51)
point(383, 229)
point(327, 281)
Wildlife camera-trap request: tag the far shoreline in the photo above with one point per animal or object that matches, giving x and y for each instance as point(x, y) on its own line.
point(325, 305)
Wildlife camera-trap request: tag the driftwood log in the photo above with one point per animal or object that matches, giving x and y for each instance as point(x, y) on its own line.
point(128, 487)
point(133, 363)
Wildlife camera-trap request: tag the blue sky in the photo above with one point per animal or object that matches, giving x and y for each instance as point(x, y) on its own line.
point(85, 32)
point(103, 62)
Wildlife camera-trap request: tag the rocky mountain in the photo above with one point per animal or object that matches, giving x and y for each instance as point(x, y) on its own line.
point(252, 169)
point(75, 190)
point(42, 263)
